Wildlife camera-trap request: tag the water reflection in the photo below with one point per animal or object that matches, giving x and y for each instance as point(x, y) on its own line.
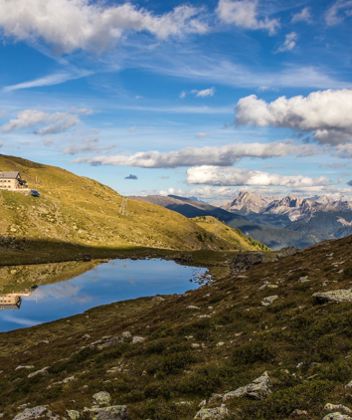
point(12, 300)
point(31, 295)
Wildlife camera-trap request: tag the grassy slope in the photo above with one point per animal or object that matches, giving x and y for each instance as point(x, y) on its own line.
point(306, 347)
point(228, 234)
point(82, 211)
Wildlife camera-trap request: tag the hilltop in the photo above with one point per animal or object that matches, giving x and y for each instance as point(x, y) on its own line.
point(165, 357)
point(83, 212)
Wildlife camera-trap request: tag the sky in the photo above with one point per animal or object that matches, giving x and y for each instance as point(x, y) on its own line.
point(200, 98)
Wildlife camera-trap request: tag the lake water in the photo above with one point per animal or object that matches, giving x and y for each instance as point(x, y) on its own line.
point(114, 281)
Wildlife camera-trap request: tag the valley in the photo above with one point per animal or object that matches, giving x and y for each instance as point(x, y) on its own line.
point(277, 223)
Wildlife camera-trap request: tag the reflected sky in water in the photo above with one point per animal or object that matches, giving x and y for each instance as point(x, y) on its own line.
point(110, 282)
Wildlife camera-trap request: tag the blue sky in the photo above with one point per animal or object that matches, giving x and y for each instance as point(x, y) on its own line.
point(199, 98)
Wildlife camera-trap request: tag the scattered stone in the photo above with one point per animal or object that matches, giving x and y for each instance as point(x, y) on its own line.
point(24, 367)
point(40, 372)
point(267, 301)
point(193, 307)
point(299, 413)
point(304, 279)
point(126, 335)
point(217, 413)
point(73, 414)
point(138, 339)
point(102, 398)
point(115, 412)
point(337, 296)
point(258, 389)
point(337, 407)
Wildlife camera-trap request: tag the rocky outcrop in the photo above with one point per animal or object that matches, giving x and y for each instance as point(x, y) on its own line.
point(258, 389)
point(216, 413)
point(336, 296)
point(38, 412)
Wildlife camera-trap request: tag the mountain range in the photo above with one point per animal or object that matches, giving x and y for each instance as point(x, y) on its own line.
point(288, 221)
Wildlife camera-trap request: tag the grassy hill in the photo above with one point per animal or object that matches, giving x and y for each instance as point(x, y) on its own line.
point(84, 212)
point(228, 234)
point(198, 345)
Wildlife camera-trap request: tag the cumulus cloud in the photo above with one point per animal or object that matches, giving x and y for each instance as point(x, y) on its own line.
point(338, 11)
point(303, 15)
point(327, 114)
point(221, 156)
point(289, 43)
point(132, 177)
point(45, 123)
point(70, 25)
point(220, 176)
point(244, 14)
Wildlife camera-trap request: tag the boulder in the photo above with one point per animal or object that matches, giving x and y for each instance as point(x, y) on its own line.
point(337, 296)
point(216, 413)
point(337, 407)
point(258, 389)
point(38, 412)
point(337, 416)
point(102, 398)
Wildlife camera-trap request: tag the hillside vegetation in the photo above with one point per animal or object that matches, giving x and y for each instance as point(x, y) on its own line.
point(82, 211)
point(162, 357)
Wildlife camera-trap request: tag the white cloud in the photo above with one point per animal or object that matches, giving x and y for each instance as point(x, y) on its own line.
point(303, 16)
point(220, 70)
point(226, 176)
point(222, 155)
point(327, 114)
point(203, 93)
point(49, 80)
point(289, 43)
point(338, 11)
point(44, 122)
point(70, 25)
point(198, 93)
point(244, 14)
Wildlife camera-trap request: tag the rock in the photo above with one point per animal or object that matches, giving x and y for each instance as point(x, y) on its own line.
point(267, 301)
point(337, 416)
point(115, 412)
point(217, 413)
point(349, 385)
point(39, 412)
point(193, 307)
point(126, 335)
point(258, 389)
point(299, 413)
point(337, 296)
point(102, 398)
point(73, 414)
point(40, 372)
point(24, 367)
point(138, 339)
point(337, 407)
point(243, 261)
